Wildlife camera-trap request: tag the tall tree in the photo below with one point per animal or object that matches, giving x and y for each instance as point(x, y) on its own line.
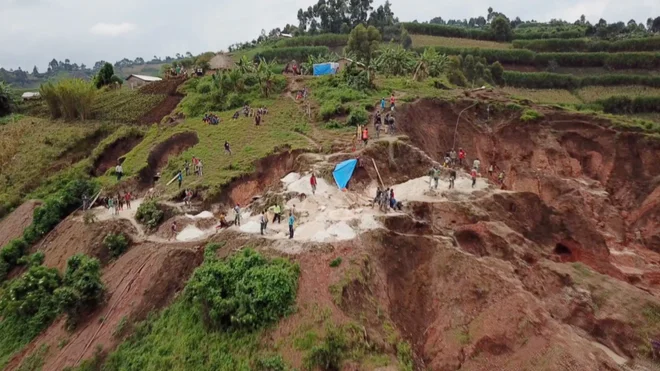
point(53, 65)
point(35, 71)
point(655, 25)
point(106, 76)
point(364, 42)
point(6, 100)
point(501, 28)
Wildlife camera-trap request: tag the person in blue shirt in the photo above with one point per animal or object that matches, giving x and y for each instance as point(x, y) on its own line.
point(179, 178)
point(292, 219)
point(382, 104)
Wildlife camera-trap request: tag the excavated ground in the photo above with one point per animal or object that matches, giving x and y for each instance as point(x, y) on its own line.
point(558, 271)
point(159, 155)
point(12, 225)
point(112, 154)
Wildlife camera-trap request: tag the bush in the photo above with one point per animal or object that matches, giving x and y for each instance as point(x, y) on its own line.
point(285, 55)
point(641, 44)
point(546, 80)
point(273, 363)
point(530, 115)
point(149, 214)
point(628, 105)
point(71, 99)
point(83, 288)
point(115, 243)
point(29, 298)
point(329, 354)
point(497, 72)
point(204, 87)
point(330, 109)
point(335, 262)
point(357, 117)
point(245, 291)
point(13, 251)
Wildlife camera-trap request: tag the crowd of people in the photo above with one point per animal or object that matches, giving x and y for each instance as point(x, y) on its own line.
point(211, 119)
point(114, 203)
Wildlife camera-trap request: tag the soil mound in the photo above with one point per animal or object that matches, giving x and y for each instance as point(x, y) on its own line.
point(160, 154)
point(12, 225)
point(113, 152)
point(144, 279)
point(166, 86)
point(72, 236)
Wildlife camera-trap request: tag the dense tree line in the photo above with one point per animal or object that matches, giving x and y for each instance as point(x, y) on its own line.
point(547, 80)
point(590, 45)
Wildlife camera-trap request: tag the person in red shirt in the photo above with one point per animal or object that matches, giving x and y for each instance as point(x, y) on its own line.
point(473, 173)
point(312, 182)
point(461, 156)
point(365, 136)
point(128, 199)
point(392, 102)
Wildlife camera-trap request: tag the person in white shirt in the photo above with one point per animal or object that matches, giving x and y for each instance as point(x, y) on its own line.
point(119, 172)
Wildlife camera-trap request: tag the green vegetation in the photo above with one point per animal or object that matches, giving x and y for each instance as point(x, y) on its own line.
point(82, 288)
point(149, 214)
point(590, 45)
point(116, 243)
point(33, 300)
point(455, 42)
point(336, 262)
point(286, 55)
point(70, 99)
point(363, 42)
point(330, 353)
point(6, 99)
point(405, 355)
point(243, 293)
point(546, 80)
point(329, 40)
point(530, 115)
point(106, 76)
point(124, 105)
point(35, 361)
point(629, 105)
point(594, 93)
point(46, 217)
point(549, 96)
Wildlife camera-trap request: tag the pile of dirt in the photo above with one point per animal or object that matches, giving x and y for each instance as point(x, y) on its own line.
point(144, 279)
point(160, 154)
point(112, 154)
point(72, 236)
point(12, 225)
point(167, 86)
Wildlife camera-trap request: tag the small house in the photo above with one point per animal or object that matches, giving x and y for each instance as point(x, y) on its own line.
point(136, 81)
point(28, 95)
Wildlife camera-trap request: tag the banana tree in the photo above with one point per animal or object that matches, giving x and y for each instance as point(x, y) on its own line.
point(430, 63)
point(395, 61)
point(245, 65)
point(265, 77)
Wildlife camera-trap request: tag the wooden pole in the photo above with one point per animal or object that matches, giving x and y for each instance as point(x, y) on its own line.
point(94, 200)
point(378, 172)
point(173, 179)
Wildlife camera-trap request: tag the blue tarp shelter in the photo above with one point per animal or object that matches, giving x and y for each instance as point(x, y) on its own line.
point(343, 172)
point(325, 69)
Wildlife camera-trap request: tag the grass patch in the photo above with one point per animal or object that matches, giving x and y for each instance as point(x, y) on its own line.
point(530, 115)
point(582, 270)
point(427, 40)
point(592, 94)
point(404, 354)
point(249, 143)
point(306, 341)
point(124, 105)
point(335, 262)
point(35, 361)
point(549, 96)
point(462, 336)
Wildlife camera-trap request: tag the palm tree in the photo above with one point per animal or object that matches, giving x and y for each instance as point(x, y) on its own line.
point(430, 63)
point(395, 61)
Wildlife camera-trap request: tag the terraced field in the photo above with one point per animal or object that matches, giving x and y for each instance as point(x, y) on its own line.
point(594, 93)
point(426, 40)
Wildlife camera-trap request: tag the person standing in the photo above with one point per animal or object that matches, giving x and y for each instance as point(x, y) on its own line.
point(173, 230)
point(365, 136)
point(119, 172)
point(194, 163)
point(452, 178)
point(277, 214)
point(473, 174)
point(436, 177)
point(127, 196)
point(200, 168)
point(85, 200)
point(382, 104)
point(490, 171)
point(292, 220)
point(392, 102)
point(476, 164)
point(186, 165)
point(461, 156)
point(263, 221)
point(179, 177)
point(312, 182)
point(111, 205)
point(237, 217)
point(227, 148)
point(452, 156)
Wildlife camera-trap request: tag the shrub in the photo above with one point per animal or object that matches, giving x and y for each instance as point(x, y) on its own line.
point(405, 356)
point(357, 117)
point(272, 363)
point(83, 288)
point(335, 262)
point(115, 243)
point(245, 291)
point(29, 298)
point(13, 251)
point(204, 87)
point(149, 214)
point(330, 109)
point(530, 115)
point(629, 105)
point(497, 72)
point(329, 354)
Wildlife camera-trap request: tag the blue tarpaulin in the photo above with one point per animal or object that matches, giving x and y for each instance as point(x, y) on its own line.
point(325, 69)
point(343, 172)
